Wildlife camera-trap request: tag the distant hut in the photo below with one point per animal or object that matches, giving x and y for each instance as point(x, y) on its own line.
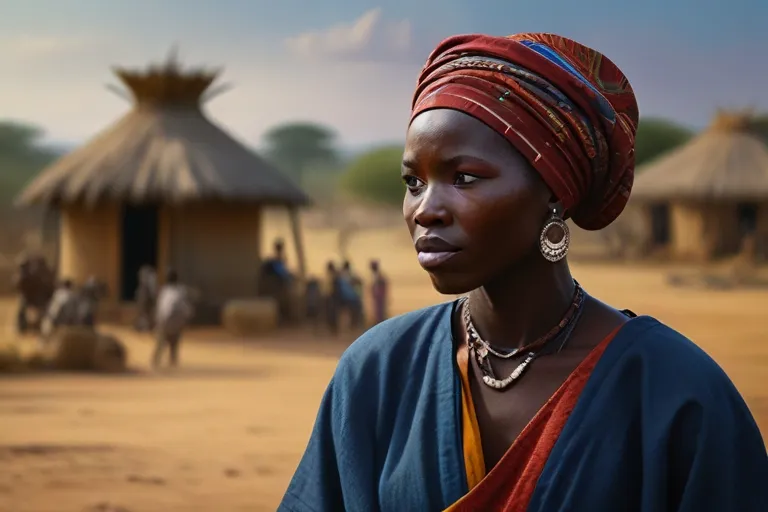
point(704, 199)
point(165, 186)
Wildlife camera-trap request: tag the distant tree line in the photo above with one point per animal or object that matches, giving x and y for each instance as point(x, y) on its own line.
point(22, 156)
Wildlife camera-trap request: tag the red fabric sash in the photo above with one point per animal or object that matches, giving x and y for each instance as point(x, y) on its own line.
point(510, 485)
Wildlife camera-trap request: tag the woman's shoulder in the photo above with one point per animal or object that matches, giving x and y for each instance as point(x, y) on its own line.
point(668, 360)
point(652, 338)
point(401, 338)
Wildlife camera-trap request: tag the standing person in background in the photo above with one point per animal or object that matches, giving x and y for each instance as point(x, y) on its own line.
point(354, 279)
point(88, 299)
point(313, 303)
point(379, 293)
point(275, 281)
point(352, 294)
point(332, 297)
point(35, 282)
point(174, 311)
point(277, 264)
point(62, 310)
point(146, 298)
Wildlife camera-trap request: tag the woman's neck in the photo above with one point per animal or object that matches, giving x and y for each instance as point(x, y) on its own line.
point(522, 305)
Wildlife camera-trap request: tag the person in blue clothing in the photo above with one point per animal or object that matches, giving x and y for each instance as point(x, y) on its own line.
point(351, 290)
point(276, 281)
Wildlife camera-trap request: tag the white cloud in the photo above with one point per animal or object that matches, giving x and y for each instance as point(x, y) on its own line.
point(369, 38)
point(39, 47)
point(60, 83)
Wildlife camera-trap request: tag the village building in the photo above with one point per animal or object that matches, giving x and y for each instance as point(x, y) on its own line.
point(165, 186)
point(709, 198)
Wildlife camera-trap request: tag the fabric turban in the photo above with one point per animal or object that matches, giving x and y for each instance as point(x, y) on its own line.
point(565, 107)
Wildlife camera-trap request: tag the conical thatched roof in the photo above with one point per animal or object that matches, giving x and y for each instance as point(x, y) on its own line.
point(165, 149)
point(727, 161)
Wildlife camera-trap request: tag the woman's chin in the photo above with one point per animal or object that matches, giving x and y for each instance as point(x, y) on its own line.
point(451, 284)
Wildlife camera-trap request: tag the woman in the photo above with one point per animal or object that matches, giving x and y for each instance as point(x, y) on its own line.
point(529, 395)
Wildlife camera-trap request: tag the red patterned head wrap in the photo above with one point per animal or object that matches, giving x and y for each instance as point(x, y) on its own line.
point(568, 109)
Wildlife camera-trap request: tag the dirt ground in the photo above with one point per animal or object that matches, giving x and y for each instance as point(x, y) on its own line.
point(225, 431)
point(222, 433)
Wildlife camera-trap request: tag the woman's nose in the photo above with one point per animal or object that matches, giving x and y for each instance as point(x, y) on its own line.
point(432, 209)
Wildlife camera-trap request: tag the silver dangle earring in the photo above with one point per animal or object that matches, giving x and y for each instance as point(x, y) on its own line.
point(554, 251)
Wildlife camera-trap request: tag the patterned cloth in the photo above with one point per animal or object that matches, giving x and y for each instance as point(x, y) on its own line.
point(568, 109)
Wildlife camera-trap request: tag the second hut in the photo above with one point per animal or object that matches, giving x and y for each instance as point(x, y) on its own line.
point(709, 198)
point(165, 186)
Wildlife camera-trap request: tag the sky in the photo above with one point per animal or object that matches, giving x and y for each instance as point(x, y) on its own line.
point(353, 65)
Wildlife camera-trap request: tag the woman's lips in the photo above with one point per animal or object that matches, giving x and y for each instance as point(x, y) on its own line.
point(430, 260)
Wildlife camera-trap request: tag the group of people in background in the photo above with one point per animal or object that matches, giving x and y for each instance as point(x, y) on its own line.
point(329, 301)
point(55, 303)
point(341, 296)
point(165, 309)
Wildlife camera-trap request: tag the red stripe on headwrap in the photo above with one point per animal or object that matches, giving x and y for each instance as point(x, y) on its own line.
point(578, 133)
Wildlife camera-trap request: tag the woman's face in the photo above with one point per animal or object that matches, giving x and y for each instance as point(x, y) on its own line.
point(473, 204)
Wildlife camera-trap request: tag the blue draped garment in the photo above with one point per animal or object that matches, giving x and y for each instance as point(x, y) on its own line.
point(658, 428)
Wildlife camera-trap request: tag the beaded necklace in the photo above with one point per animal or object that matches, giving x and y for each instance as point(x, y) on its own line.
point(557, 337)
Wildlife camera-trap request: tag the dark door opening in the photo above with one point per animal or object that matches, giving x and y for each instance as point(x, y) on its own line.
point(660, 224)
point(140, 245)
point(747, 218)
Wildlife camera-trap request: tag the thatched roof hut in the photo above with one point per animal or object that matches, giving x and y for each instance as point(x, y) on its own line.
point(164, 186)
point(705, 197)
point(165, 149)
point(726, 161)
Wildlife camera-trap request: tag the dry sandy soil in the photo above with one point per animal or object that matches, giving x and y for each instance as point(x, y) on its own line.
point(225, 431)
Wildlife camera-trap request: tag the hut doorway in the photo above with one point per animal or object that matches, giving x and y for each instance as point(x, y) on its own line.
point(747, 218)
point(140, 230)
point(660, 235)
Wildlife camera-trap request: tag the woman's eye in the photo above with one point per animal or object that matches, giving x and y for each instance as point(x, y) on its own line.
point(465, 179)
point(412, 182)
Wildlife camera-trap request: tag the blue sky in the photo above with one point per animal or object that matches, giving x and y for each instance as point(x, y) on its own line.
point(352, 64)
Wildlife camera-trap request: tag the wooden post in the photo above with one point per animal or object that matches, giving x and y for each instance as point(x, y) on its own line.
point(164, 230)
point(298, 241)
point(51, 234)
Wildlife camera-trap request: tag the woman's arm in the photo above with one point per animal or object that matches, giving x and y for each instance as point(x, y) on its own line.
point(336, 472)
point(717, 458)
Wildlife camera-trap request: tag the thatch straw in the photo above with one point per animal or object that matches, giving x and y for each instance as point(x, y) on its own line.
point(725, 121)
point(168, 84)
point(728, 160)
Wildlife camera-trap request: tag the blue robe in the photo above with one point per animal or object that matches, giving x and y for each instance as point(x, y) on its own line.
point(658, 428)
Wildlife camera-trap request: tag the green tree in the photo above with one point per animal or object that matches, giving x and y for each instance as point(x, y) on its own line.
point(16, 137)
point(656, 136)
point(21, 157)
point(375, 176)
point(297, 148)
point(759, 126)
